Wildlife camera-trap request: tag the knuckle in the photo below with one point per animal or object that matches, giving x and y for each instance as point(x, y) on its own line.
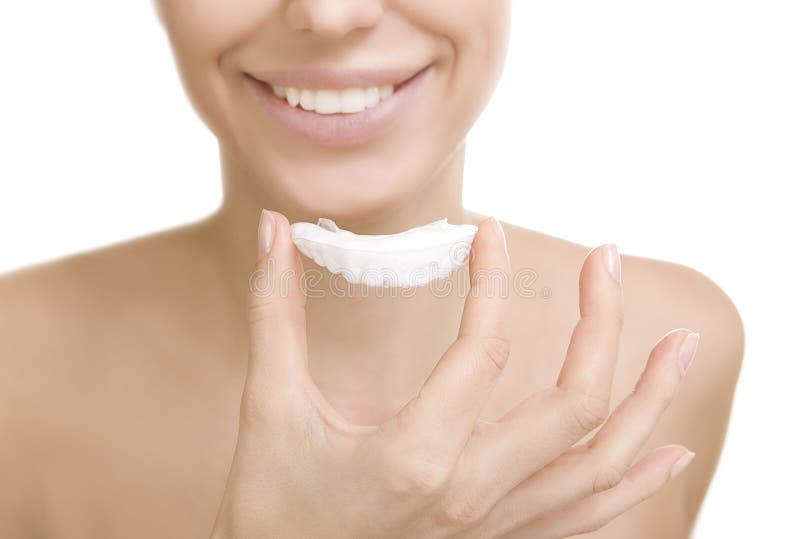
point(261, 286)
point(588, 413)
point(417, 476)
point(608, 476)
point(657, 393)
point(593, 521)
point(463, 511)
point(618, 315)
point(496, 350)
point(259, 312)
point(639, 488)
point(663, 396)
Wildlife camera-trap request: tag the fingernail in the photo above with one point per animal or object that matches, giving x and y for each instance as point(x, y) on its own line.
point(266, 233)
point(681, 464)
point(687, 351)
point(498, 229)
point(613, 263)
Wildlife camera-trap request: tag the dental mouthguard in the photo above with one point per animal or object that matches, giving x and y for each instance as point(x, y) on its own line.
point(411, 258)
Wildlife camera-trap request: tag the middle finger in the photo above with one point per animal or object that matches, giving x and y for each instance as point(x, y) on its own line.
point(549, 422)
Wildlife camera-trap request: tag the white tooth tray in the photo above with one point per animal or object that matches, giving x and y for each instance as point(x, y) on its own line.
point(411, 258)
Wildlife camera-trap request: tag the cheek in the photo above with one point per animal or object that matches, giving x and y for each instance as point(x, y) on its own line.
point(476, 24)
point(222, 22)
point(476, 34)
point(202, 33)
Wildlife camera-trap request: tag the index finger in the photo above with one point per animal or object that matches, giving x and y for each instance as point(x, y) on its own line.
point(451, 399)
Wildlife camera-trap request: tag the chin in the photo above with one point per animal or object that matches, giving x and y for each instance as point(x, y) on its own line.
point(352, 205)
point(348, 215)
point(349, 193)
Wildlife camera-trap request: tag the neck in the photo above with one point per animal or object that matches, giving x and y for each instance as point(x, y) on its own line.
point(371, 350)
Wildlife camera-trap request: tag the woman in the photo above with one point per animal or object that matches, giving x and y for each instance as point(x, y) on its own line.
point(163, 388)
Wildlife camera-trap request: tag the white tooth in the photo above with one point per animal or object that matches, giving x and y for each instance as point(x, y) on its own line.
point(372, 97)
point(353, 100)
point(307, 99)
point(350, 100)
point(386, 91)
point(293, 96)
point(327, 102)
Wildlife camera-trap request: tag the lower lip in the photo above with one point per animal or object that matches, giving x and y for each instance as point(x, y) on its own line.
point(341, 128)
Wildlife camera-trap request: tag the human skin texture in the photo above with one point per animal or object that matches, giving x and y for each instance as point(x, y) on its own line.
point(149, 392)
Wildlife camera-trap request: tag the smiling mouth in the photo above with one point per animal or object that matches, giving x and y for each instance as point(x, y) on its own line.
point(337, 92)
point(341, 114)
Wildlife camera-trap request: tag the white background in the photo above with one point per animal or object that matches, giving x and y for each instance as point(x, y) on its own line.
point(671, 128)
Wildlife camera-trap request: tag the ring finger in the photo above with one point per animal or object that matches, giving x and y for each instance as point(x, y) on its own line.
point(601, 463)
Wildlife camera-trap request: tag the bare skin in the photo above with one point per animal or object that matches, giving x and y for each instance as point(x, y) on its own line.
point(123, 368)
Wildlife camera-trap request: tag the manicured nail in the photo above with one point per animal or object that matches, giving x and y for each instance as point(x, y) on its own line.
point(266, 233)
point(687, 351)
point(681, 464)
point(613, 263)
point(498, 229)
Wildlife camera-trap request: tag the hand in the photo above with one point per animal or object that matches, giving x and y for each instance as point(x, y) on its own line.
point(300, 470)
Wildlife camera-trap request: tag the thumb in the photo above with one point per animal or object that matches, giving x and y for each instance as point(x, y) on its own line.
point(276, 311)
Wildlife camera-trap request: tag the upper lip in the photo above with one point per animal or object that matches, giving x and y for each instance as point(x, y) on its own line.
point(336, 78)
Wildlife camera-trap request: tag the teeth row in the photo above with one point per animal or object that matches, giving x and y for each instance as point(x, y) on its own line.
point(350, 100)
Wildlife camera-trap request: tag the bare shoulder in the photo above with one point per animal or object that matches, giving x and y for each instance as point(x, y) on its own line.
point(661, 295)
point(56, 317)
point(58, 305)
point(40, 321)
point(59, 322)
